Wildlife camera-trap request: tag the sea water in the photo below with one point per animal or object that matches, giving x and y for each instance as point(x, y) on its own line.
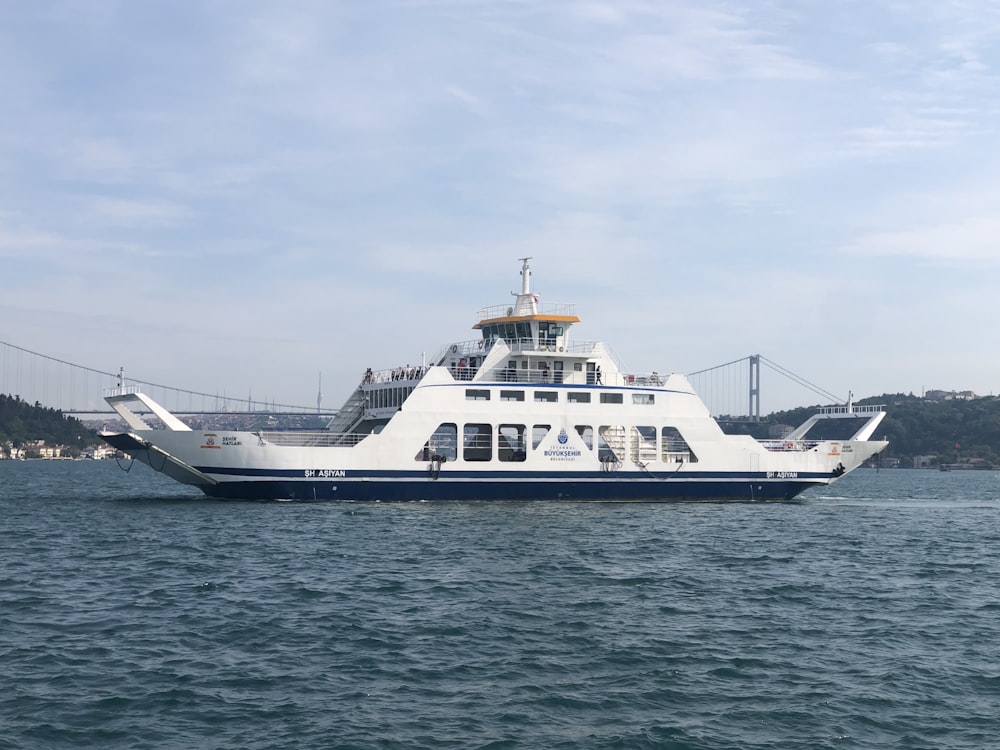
point(136, 613)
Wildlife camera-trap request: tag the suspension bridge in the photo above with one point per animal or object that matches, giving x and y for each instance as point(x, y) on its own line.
point(78, 390)
point(732, 391)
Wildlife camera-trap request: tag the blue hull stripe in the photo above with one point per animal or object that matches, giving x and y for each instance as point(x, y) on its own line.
point(452, 489)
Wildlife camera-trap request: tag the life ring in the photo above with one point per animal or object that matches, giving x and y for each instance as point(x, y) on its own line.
point(789, 446)
point(454, 348)
point(481, 343)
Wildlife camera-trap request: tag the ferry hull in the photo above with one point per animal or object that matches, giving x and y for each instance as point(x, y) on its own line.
point(409, 490)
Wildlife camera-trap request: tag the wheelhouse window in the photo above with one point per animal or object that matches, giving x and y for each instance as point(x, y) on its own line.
point(477, 394)
point(611, 398)
point(477, 442)
point(443, 443)
point(547, 396)
point(510, 442)
point(511, 332)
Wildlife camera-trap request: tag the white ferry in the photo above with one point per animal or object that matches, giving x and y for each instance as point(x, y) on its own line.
point(522, 412)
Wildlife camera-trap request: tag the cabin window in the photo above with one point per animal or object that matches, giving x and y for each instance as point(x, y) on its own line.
point(546, 396)
point(512, 395)
point(538, 433)
point(578, 397)
point(477, 442)
point(611, 443)
point(509, 373)
point(477, 394)
point(643, 443)
point(675, 448)
point(611, 398)
point(586, 433)
point(578, 367)
point(443, 442)
point(642, 398)
point(510, 442)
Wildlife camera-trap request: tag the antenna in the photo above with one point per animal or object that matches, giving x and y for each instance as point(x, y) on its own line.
point(319, 394)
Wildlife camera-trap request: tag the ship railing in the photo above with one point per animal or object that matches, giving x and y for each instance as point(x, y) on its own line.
point(473, 348)
point(310, 438)
point(543, 376)
point(542, 308)
point(405, 373)
point(535, 346)
point(553, 346)
point(852, 410)
point(789, 446)
point(122, 390)
point(637, 380)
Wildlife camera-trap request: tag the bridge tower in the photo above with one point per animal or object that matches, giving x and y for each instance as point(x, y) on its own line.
point(754, 387)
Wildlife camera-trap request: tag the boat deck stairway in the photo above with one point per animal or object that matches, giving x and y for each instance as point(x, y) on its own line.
point(352, 412)
point(611, 443)
point(643, 444)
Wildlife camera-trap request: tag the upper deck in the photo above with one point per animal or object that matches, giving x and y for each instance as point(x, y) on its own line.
point(560, 313)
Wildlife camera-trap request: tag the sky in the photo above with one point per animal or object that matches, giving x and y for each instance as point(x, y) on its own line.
point(234, 196)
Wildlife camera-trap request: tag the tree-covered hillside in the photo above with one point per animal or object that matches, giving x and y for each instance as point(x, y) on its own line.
point(21, 422)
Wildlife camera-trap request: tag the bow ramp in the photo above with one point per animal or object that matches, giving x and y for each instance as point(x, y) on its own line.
point(873, 414)
point(131, 404)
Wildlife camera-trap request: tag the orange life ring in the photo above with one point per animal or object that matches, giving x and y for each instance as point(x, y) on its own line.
point(789, 446)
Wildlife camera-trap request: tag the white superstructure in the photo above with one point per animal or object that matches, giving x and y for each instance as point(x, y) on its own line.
point(523, 411)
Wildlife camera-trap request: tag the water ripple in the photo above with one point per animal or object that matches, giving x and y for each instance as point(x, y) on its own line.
point(135, 615)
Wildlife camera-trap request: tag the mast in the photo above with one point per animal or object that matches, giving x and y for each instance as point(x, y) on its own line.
point(527, 303)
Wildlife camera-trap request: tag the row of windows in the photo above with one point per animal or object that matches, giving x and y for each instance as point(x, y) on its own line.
point(520, 331)
point(513, 442)
point(573, 397)
point(384, 398)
